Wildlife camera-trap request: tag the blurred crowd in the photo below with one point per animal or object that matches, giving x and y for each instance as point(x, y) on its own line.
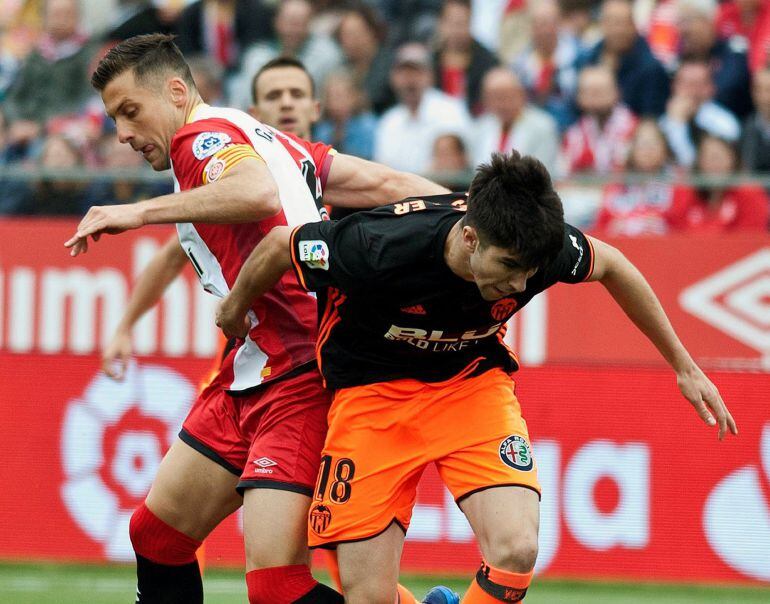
point(666, 90)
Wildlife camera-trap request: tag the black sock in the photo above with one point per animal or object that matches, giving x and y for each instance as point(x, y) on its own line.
point(321, 594)
point(164, 584)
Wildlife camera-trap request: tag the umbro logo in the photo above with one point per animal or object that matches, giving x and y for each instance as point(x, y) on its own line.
point(265, 462)
point(417, 309)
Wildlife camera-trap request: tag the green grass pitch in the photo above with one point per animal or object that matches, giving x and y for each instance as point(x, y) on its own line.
point(80, 584)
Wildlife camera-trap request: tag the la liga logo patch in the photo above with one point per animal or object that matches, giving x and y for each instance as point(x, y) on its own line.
point(208, 143)
point(315, 254)
point(515, 453)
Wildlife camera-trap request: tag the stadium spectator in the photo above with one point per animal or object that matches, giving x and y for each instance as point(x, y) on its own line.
point(578, 18)
point(727, 58)
point(223, 29)
point(640, 207)
point(691, 111)
point(510, 122)
point(54, 77)
point(546, 66)
point(755, 151)
point(208, 76)
point(362, 36)
point(750, 19)
point(346, 126)
point(662, 34)
point(137, 17)
point(57, 195)
point(720, 207)
point(293, 38)
point(642, 80)
point(410, 19)
point(116, 157)
point(406, 132)
point(459, 61)
point(450, 163)
point(599, 140)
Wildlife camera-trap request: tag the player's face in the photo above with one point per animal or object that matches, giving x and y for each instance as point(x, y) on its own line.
point(285, 100)
point(145, 119)
point(497, 272)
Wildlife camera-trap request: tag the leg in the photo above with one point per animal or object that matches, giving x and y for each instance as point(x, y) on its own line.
point(288, 424)
point(369, 569)
point(508, 542)
point(190, 495)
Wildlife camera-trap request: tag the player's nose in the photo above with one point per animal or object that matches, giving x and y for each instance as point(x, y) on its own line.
point(125, 135)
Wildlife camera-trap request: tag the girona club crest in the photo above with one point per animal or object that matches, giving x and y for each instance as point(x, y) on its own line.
point(320, 518)
point(503, 309)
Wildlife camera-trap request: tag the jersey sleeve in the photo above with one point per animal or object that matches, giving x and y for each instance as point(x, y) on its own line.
point(204, 150)
point(331, 253)
point(575, 261)
point(321, 153)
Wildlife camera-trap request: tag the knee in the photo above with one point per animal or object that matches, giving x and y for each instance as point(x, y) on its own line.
point(370, 591)
point(154, 539)
point(514, 553)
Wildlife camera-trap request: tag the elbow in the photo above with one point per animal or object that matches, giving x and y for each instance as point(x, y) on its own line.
point(266, 202)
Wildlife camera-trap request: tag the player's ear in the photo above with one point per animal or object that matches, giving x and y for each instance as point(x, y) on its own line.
point(179, 91)
point(470, 239)
point(316, 112)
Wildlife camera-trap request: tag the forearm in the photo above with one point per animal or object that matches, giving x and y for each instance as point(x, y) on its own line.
point(164, 267)
point(634, 295)
point(246, 194)
point(263, 269)
point(357, 183)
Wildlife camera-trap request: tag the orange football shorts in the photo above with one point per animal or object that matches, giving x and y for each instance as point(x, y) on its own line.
point(382, 436)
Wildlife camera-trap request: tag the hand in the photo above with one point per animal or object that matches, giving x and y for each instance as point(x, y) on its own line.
point(233, 321)
point(104, 219)
point(115, 357)
point(681, 108)
point(705, 397)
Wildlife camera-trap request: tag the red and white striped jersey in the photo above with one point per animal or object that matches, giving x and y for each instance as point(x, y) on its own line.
point(284, 320)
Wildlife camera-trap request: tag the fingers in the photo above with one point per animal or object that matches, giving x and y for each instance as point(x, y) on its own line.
point(723, 417)
point(705, 414)
point(114, 368)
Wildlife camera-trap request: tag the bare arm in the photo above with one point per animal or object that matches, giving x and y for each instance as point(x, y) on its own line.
point(358, 183)
point(262, 270)
point(164, 267)
point(634, 295)
point(245, 193)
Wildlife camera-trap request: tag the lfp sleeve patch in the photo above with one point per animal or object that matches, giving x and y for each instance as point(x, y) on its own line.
point(314, 253)
point(208, 143)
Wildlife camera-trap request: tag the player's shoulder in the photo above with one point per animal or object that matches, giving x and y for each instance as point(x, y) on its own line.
point(204, 137)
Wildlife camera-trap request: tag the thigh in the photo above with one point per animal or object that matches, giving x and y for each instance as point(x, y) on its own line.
point(285, 426)
point(486, 442)
point(275, 528)
point(191, 492)
point(502, 516)
point(372, 461)
point(369, 568)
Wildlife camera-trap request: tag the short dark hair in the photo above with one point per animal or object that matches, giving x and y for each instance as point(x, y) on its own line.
point(512, 205)
point(147, 55)
point(276, 63)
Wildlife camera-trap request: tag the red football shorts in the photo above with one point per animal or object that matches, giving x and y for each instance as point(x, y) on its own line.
point(271, 438)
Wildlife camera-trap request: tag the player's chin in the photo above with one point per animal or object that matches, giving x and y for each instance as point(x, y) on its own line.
point(490, 293)
point(159, 163)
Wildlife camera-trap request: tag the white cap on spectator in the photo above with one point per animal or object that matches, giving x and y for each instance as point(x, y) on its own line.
point(412, 54)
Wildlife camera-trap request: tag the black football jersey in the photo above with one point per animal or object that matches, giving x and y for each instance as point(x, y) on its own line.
point(393, 309)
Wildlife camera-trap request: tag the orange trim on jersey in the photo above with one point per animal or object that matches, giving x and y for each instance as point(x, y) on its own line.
point(235, 151)
point(501, 338)
point(593, 256)
point(295, 263)
point(330, 318)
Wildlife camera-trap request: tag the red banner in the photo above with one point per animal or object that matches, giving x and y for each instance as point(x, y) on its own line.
point(634, 485)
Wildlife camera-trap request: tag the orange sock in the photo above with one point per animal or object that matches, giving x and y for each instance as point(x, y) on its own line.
point(405, 596)
point(493, 585)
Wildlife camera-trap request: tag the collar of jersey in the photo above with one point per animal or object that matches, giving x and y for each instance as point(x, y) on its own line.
point(191, 117)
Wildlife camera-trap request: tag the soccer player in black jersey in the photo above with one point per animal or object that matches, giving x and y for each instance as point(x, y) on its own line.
point(416, 298)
